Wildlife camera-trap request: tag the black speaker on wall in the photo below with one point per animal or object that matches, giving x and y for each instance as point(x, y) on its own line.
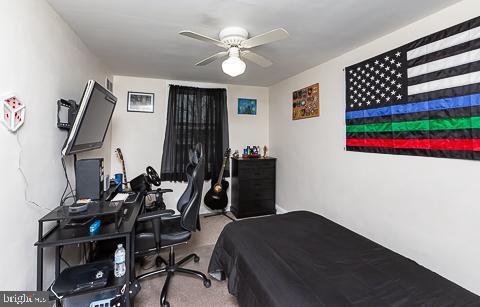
point(89, 176)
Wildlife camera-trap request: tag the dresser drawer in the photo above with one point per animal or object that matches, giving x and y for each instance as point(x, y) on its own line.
point(252, 172)
point(255, 186)
point(257, 189)
point(257, 164)
point(254, 208)
point(257, 194)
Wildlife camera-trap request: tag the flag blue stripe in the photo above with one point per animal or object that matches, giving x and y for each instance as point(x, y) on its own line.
point(424, 106)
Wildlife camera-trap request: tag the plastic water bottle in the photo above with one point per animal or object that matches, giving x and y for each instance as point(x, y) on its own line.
point(119, 261)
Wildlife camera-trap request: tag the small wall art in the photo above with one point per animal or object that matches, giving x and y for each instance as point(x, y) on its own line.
point(140, 102)
point(109, 84)
point(13, 112)
point(306, 102)
point(247, 106)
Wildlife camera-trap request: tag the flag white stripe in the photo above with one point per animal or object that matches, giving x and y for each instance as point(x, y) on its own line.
point(466, 79)
point(456, 60)
point(444, 43)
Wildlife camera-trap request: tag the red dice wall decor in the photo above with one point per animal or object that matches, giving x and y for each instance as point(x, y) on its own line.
point(13, 112)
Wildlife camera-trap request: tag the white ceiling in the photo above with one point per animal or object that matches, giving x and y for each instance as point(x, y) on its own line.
point(139, 37)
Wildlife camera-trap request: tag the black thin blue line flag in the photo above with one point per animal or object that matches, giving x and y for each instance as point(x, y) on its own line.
point(420, 99)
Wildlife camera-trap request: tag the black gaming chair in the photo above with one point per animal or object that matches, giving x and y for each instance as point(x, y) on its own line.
point(168, 230)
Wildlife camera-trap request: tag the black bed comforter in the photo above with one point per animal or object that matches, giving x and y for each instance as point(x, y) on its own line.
point(303, 259)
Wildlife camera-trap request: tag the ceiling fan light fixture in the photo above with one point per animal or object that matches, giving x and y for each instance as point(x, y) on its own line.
point(236, 42)
point(233, 66)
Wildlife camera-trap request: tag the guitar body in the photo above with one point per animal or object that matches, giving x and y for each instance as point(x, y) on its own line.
point(217, 200)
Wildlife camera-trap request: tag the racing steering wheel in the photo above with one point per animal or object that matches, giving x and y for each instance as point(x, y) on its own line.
point(153, 177)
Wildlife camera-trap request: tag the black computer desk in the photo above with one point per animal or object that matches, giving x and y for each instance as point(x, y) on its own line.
point(59, 236)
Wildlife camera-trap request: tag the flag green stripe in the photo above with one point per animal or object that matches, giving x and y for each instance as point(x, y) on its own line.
point(419, 125)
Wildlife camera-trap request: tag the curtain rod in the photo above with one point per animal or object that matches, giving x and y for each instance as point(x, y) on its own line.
point(204, 88)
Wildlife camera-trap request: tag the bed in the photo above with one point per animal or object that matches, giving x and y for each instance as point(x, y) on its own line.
point(303, 259)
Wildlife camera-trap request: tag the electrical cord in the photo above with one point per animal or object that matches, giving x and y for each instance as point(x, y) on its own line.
point(31, 202)
point(67, 197)
point(71, 194)
point(63, 259)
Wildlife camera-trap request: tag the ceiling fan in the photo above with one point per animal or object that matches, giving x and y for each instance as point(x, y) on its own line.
point(236, 42)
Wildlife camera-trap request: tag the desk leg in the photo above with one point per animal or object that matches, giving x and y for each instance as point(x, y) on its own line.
point(128, 269)
point(39, 268)
point(40, 259)
point(57, 261)
point(132, 254)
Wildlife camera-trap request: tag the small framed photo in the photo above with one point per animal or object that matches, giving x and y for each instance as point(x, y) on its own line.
point(109, 84)
point(140, 102)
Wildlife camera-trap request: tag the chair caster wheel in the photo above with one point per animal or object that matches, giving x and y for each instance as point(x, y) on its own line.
point(196, 259)
point(166, 304)
point(207, 283)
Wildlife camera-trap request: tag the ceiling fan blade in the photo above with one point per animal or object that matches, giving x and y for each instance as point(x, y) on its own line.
point(265, 38)
point(257, 59)
point(212, 58)
point(202, 38)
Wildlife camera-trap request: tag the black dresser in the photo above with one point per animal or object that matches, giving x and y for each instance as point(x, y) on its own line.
point(253, 187)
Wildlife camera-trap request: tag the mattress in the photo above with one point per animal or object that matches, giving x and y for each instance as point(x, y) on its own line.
point(303, 259)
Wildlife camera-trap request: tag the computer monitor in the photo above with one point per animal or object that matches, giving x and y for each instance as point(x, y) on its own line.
point(92, 120)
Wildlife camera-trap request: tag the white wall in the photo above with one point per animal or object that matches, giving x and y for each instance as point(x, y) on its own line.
point(41, 60)
point(140, 135)
point(427, 209)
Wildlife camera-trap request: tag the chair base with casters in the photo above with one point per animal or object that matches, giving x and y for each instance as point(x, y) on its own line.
point(171, 267)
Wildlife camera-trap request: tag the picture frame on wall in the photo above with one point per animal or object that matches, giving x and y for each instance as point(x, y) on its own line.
point(140, 102)
point(109, 84)
point(247, 106)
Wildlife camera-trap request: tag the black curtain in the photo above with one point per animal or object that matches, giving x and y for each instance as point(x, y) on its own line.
point(195, 115)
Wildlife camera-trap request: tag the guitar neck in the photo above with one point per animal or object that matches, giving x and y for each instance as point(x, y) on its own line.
point(124, 173)
point(120, 157)
point(220, 177)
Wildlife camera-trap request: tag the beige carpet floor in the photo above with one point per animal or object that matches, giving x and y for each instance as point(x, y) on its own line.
point(186, 291)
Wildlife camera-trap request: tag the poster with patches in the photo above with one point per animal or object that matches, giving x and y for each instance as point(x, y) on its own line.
point(306, 102)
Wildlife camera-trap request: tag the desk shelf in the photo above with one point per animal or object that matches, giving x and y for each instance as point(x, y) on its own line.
point(112, 283)
point(59, 236)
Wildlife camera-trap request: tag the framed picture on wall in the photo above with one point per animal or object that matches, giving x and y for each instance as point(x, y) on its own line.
point(247, 106)
point(140, 102)
point(109, 84)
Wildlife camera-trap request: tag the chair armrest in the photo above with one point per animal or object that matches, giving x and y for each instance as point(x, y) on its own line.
point(161, 191)
point(155, 215)
point(164, 190)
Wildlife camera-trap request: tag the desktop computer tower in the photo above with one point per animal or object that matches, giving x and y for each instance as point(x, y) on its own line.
point(89, 177)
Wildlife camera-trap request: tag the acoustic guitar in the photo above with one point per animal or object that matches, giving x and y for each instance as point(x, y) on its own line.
point(119, 153)
point(216, 198)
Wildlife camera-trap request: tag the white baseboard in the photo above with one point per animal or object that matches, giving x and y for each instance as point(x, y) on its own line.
point(205, 210)
point(280, 210)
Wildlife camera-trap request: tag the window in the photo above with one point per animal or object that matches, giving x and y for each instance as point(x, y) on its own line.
point(195, 115)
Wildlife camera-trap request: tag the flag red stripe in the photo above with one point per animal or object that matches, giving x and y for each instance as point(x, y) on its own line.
point(440, 144)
